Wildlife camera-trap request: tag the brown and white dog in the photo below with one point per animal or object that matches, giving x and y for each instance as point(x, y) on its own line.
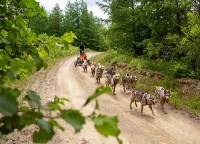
point(112, 80)
point(85, 64)
point(143, 98)
point(109, 70)
point(93, 67)
point(128, 80)
point(99, 73)
point(163, 95)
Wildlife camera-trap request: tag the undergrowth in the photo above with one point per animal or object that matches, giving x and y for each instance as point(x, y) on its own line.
point(53, 57)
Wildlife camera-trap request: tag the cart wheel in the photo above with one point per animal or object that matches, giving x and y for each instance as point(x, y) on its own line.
point(75, 64)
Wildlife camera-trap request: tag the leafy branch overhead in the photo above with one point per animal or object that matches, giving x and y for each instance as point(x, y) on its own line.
point(23, 52)
point(99, 91)
point(34, 113)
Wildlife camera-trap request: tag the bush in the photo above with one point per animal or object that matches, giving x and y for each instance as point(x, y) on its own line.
point(175, 100)
point(152, 51)
point(179, 70)
point(193, 104)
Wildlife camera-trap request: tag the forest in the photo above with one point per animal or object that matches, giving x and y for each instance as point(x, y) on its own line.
point(165, 29)
point(76, 18)
point(157, 29)
point(154, 36)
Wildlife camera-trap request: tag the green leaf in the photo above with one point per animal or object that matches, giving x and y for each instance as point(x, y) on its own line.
point(30, 3)
point(45, 133)
point(30, 117)
point(30, 13)
point(10, 123)
point(21, 22)
point(40, 63)
point(64, 99)
point(8, 101)
point(8, 48)
point(33, 99)
point(31, 38)
point(99, 91)
point(67, 38)
point(66, 44)
point(4, 33)
point(4, 40)
point(107, 126)
point(53, 106)
point(24, 108)
point(73, 117)
point(56, 99)
point(56, 124)
point(40, 11)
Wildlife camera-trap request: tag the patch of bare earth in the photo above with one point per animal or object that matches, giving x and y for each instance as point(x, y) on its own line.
point(64, 80)
point(189, 87)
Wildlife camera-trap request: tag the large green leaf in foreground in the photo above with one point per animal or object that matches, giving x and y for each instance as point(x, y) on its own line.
point(106, 125)
point(73, 117)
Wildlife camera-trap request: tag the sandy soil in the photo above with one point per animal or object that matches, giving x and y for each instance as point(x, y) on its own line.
point(65, 80)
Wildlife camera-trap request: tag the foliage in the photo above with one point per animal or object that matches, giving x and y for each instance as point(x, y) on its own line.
point(105, 125)
point(76, 18)
point(82, 22)
point(73, 117)
point(38, 24)
point(23, 52)
point(55, 22)
point(190, 43)
point(175, 100)
point(179, 70)
point(99, 91)
point(166, 30)
point(193, 105)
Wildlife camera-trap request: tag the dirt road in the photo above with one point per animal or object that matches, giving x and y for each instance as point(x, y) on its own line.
point(64, 80)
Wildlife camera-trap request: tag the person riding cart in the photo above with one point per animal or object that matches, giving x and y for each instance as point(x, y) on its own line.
point(82, 48)
point(82, 52)
point(81, 55)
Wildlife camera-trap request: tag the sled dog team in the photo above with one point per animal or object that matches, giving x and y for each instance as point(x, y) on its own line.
point(127, 80)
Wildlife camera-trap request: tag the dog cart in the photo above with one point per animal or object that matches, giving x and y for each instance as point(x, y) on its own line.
point(81, 56)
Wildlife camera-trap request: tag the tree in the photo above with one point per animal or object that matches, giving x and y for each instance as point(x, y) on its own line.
point(82, 22)
point(71, 20)
point(136, 23)
point(190, 43)
point(39, 24)
point(55, 22)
